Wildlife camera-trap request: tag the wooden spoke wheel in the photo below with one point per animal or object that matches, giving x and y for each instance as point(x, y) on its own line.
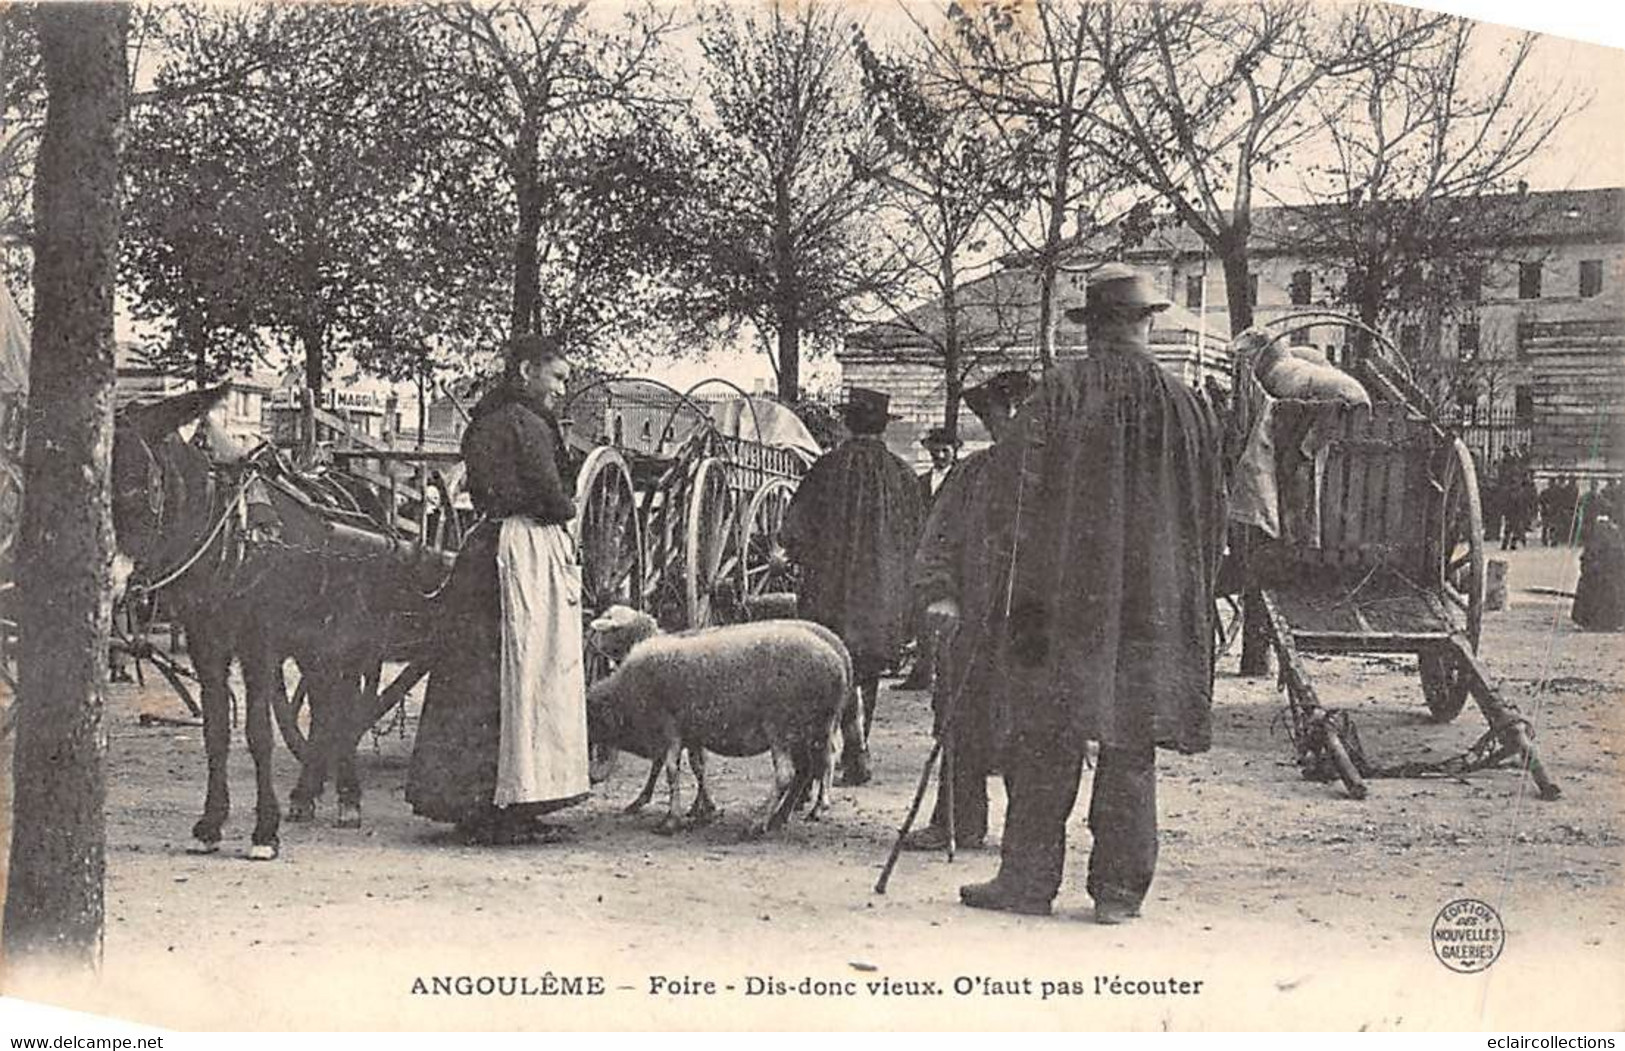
point(766, 576)
point(608, 534)
point(711, 555)
point(1460, 579)
point(446, 530)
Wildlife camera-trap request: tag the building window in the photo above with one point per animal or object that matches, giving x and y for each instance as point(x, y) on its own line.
point(1472, 284)
point(1523, 403)
point(1303, 285)
point(1193, 292)
point(1467, 341)
point(1590, 278)
point(1301, 337)
point(1410, 339)
point(1252, 289)
point(1331, 353)
point(1528, 280)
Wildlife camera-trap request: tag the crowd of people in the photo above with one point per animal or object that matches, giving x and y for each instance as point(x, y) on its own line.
point(1059, 583)
point(1514, 504)
point(1064, 578)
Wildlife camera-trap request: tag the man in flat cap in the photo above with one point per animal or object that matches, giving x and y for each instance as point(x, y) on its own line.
point(958, 572)
point(944, 450)
point(1110, 491)
point(852, 526)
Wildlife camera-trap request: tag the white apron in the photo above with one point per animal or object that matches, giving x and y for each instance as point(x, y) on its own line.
point(542, 755)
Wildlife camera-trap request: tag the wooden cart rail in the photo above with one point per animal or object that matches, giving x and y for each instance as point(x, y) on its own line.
point(1391, 561)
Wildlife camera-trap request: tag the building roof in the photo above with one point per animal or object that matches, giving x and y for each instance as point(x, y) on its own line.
point(1001, 309)
point(1540, 215)
point(1000, 312)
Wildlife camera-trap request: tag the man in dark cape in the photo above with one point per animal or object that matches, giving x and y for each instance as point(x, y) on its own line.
point(852, 527)
point(1599, 597)
point(516, 474)
point(1113, 486)
point(958, 580)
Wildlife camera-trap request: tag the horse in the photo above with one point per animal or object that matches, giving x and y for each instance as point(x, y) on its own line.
point(246, 571)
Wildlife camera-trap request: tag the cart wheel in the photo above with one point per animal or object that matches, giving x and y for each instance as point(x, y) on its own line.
point(764, 568)
point(448, 531)
point(1444, 687)
point(607, 534)
point(710, 542)
point(1461, 541)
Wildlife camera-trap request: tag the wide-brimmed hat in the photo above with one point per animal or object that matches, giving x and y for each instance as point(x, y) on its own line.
point(1010, 387)
point(865, 406)
point(1116, 290)
point(939, 438)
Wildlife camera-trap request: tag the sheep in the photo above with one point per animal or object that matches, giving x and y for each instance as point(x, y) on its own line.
point(777, 686)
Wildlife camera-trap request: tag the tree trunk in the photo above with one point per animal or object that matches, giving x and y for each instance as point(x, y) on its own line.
point(54, 907)
point(527, 231)
point(950, 349)
point(789, 350)
point(1049, 260)
point(1047, 273)
point(1237, 283)
point(314, 341)
point(787, 296)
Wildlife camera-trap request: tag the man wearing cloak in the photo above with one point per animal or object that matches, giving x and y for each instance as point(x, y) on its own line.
point(852, 526)
point(503, 736)
point(1112, 488)
point(958, 578)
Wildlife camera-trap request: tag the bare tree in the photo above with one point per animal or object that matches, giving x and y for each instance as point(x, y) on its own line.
point(792, 240)
point(520, 81)
point(54, 905)
point(1029, 69)
point(1420, 197)
point(945, 171)
point(1203, 98)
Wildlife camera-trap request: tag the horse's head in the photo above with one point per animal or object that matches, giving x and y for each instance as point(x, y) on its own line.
point(154, 471)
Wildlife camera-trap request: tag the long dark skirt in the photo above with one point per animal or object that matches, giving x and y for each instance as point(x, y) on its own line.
point(454, 757)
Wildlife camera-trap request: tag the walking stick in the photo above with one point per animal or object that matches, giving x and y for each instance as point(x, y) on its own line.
point(908, 821)
point(925, 779)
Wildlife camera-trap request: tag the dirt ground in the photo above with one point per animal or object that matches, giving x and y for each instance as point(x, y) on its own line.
point(1292, 905)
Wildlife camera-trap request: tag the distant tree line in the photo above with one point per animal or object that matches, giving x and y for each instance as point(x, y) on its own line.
point(409, 184)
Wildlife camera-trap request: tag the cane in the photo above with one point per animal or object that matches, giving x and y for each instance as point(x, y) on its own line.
point(925, 777)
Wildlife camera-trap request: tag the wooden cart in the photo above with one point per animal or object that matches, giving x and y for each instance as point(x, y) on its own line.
point(1397, 567)
point(673, 515)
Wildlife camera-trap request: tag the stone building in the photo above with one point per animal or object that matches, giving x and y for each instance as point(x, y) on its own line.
point(999, 330)
point(1544, 324)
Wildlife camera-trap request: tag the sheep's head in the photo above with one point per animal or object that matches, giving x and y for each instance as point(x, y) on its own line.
point(619, 629)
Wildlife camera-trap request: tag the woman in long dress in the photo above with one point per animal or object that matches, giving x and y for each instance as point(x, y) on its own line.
point(503, 736)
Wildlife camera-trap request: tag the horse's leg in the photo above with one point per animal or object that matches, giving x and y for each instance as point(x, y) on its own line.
point(259, 678)
point(346, 723)
point(313, 767)
point(211, 657)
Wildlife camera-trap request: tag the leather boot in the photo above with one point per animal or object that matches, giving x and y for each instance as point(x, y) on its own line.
point(1003, 896)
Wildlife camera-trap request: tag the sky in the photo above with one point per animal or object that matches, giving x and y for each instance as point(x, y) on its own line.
point(1584, 49)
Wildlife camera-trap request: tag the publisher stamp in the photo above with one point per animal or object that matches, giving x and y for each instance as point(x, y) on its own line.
point(1468, 936)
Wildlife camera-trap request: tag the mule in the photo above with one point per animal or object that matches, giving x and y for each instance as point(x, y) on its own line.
point(251, 585)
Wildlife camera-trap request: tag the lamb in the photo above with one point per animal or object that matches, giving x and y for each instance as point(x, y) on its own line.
point(777, 686)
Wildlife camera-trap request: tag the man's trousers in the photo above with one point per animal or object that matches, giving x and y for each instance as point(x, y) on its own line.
point(1041, 780)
